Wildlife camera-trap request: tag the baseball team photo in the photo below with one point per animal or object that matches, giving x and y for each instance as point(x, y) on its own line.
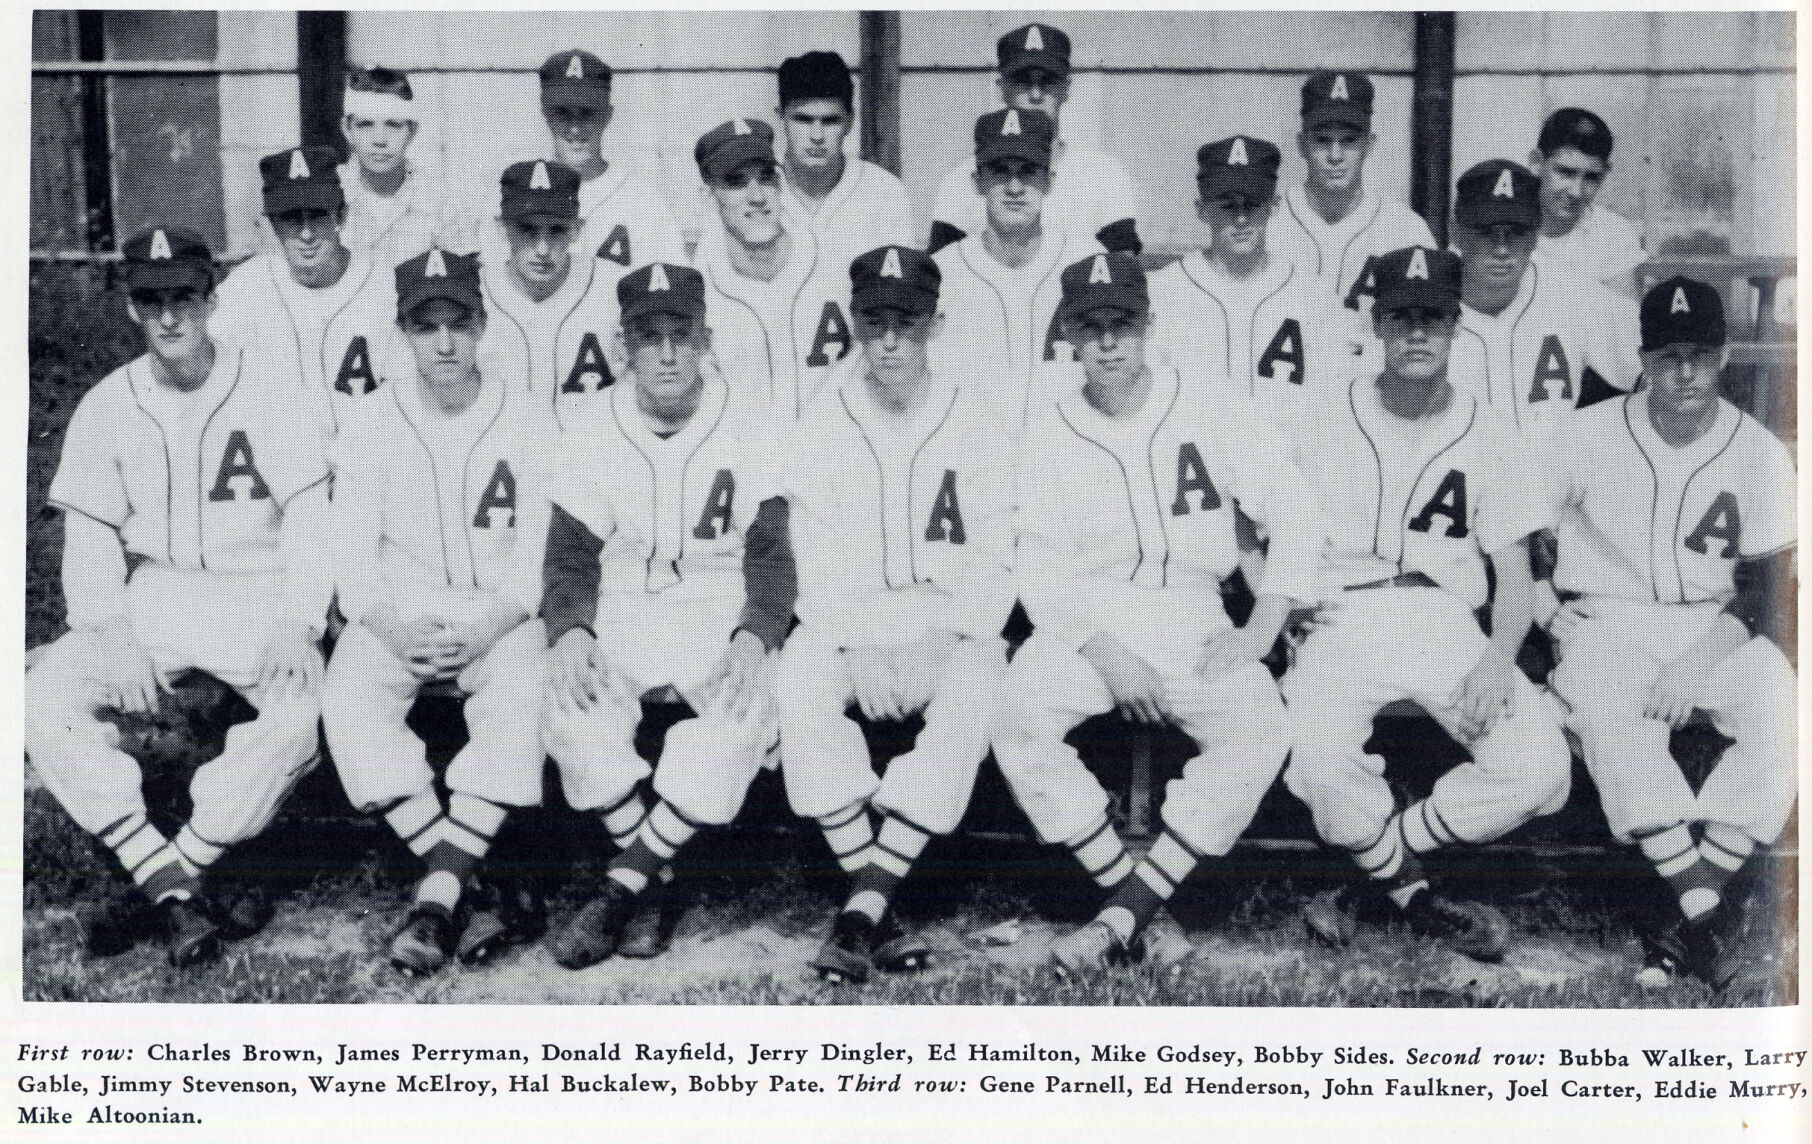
point(1185, 508)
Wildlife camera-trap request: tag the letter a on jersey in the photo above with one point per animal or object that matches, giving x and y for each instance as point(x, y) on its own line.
point(1236, 155)
point(1285, 348)
point(1192, 476)
point(615, 247)
point(356, 366)
point(890, 265)
point(160, 245)
point(298, 166)
point(1503, 188)
point(946, 521)
point(1678, 305)
point(833, 330)
point(499, 493)
point(720, 504)
point(1098, 272)
point(1551, 365)
point(1724, 520)
point(590, 371)
point(236, 461)
point(1449, 501)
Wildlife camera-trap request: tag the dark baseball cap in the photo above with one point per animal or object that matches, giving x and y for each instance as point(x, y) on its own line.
point(540, 188)
point(1416, 276)
point(816, 75)
point(661, 288)
point(1498, 191)
point(1239, 165)
point(1337, 97)
point(1579, 129)
point(438, 274)
point(575, 79)
point(1682, 310)
point(729, 145)
point(1013, 134)
point(164, 258)
point(301, 178)
point(1114, 279)
point(894, 276)
point(1034, 46)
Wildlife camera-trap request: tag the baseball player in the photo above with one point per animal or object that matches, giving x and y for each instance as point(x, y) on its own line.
point(1127, 492)
point(193, 514)
point(664, 507)
point(1002, 284)
point(1090, 193)
point(436, 584)
point(1677, 548)
point(553, 317)
point(902, 510)
point(1421, 483)
point(1528, 329)
point(851, 204)
point(778, 306)
point(1237, 310)
point(321, 308)
point(394, 210)
point(1572, 158)
point(1332, 225)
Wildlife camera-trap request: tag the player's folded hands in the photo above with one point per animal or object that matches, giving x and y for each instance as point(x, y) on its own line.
point(872, 680)
point(132, 680)
point(1567, 618)
point(1487, 694)
point(292, 666)
point(1673, 695)
point(738, 685)
point(1137, 689)
point(577, 674)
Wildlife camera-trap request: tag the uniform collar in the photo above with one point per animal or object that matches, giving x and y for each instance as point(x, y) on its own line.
point(711, 405)
point(875, 420)
point(713, 260)
point(831, 203)
point(1525, 297)
point(1166, 383)
point(1709, 442)
point(1212, 281)
point(501, 289)
point(1050, 256)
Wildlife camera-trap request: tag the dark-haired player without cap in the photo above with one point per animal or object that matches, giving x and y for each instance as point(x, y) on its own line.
point(1572, 158)
point(394, 210)
point(1677, 544)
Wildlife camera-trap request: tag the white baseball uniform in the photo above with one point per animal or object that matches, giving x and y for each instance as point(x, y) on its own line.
point(867, 208)
point(902, 527)
point(1426, 500)
point(1651, 535)
point(426, 512)
point(563, 349)
point(1090, 190)
point(391, 229)
point(1126, 529)
point(672, 513)
point(195, 516)
point(1336, 253)
point(1603, 246)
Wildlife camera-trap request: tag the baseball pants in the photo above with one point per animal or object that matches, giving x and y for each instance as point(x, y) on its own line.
point(217, 623)
point(367, 698)
point(1386, 644)
point(825, 757)
point(1609, 663)
point(1237, 723)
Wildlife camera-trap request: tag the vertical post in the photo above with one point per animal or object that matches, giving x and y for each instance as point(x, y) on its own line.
point(320, 77)
point(97, 144)
point(1431, 121)
point(881, 89)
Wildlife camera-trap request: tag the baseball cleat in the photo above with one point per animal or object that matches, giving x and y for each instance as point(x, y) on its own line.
point(1332, 916)
point(1472, 928)
point(242, 907)
point(514, 913)
point(844, 956)
point(114, 924)
point(1712, 955)
point(896, 951)
point(421, 947)
point(650, 932)
point(592, 934)
point(1663, 957)
point(1163, 944)
point(1092, 948)
point(191, 934)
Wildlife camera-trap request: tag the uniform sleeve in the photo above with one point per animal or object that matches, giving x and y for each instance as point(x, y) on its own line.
point(661, 231)
point(1567, 448)
point(356, 525)
point(1044, 568)
point(770, 579)
point(572, 486)
point(94, 572)
point(956, 200)
point(897, 227)
point(570, 574)
point(1614, 336)
point(1515, 503)
point(1623, 251)
point(1275, 492)
point(1773, 524)
point(980, 604)
point(89, 480)
point(308, 582)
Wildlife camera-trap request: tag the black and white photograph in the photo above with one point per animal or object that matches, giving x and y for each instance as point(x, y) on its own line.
point(1189, 508)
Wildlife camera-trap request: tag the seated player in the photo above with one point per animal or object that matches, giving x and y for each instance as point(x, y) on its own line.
point(436, 586)
point(1676, 605)
point(1128, 487)
point(1572, 158)
point(902, 512)
point(394, 210)
point(192, 518)
point(322, 310)
point(662, 510)
point(1420, 485)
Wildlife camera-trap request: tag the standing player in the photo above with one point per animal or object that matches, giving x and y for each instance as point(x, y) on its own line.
point(1572, 158)
point(321, 309)
point(1090, 192)
point(902, 506)
point(1001, 286)
point(663, 508)
point(777, 304)
point(1332, 226)
point(192, 515)
point(1421, 484)
point(554, 317)
point(1529, 330)
point(851, 204)
point(394, 211)
point(1679, 543)
point(1127, 492)
point(1237, 310)
point(435, 586)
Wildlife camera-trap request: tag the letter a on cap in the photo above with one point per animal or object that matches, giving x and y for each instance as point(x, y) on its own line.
point(1503, 188)
point(1338, 91)
point(1418, 265)
point(436, 266)
point(1097, 271)
point(740, 127)
point(1679, 305)
point(657, 279)
point(298, 166)
point(160, 244)
point(575, 67)
point(890, 266)
point(538, 181)
point(1034, 41)
point(1010, 125)
point(1237, 156)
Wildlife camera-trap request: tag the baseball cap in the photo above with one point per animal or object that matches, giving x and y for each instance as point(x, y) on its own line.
point(816, 75)
point(165, 257)
point(438, 274)
point(1416, 276)
point(1337, 97)
point(1034, 46)
point(728, 145)
point(1114, 279)
point(1013, 134)
point(1577, 128)
point(894, 276)
point(540, 188)
point(1498, 191)
point(1239, 165)
point(661, 288)
point(575, 79)
point(1682, 310)
point(301, 178)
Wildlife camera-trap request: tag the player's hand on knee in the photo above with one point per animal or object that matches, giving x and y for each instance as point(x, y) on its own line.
point(919, 667)
point(292, 665)
point(132, 680)
point(1567, 619)
point(573, 680)
point(1228, 651)
point(738, 684)
point(871, 680)
point(1673, 695)
point(1487, 694)
point(1137, 690)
